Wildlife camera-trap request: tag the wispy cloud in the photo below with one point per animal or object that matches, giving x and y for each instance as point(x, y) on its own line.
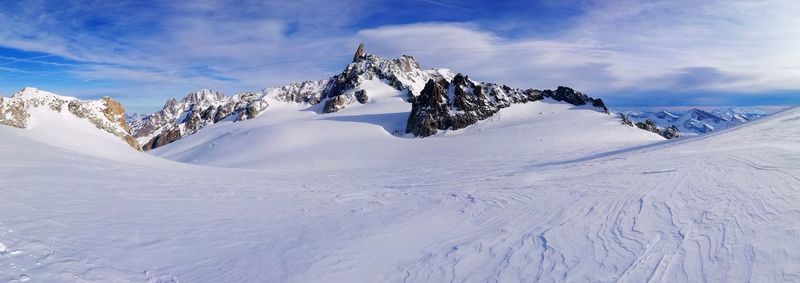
point(627, 46)
point(621, 49)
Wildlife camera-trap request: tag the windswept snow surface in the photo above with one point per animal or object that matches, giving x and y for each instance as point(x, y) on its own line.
point(723, 207)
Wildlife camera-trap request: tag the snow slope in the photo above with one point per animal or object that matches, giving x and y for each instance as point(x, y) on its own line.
point(295, 137)
point(723, 207)
point(68, 132)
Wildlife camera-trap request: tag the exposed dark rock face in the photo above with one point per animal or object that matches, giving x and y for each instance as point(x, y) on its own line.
point(671, 132)
point(334, 104)
point(361, 96)
point(360, 53)
point(162, 139)
point(254, 109)
point(453, 105)
point(649, 125)
point(429, 111)
point(570, 96)
point(626, 120)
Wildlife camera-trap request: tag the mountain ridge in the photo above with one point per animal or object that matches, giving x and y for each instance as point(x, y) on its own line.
point(181, 118)
point(692, 121)
point(437, 99)
point(105, 114)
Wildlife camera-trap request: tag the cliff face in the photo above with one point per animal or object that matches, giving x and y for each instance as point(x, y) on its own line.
point(460, 102)
point(106, 114)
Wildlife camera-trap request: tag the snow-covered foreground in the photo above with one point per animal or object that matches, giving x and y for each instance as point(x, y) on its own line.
point(723, 207)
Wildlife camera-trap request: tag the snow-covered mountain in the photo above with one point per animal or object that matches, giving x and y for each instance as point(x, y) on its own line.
point(457, 102)
point(695, 121)
point(538, 192)
point(32, 107)
point(193, 112)
point(514, 185)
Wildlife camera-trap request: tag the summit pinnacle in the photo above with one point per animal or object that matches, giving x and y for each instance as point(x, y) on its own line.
point(360, 53)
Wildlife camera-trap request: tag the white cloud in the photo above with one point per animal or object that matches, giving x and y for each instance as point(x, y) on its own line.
point(735, 46)
point(616, 47)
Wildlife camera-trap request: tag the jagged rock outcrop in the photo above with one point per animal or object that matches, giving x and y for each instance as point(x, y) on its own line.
point(106, 114)
point(671, 132)
point(360, 52)
point(570, 96)
point(649, 125)
point(625, 120)
point(430, 111)
point(361, 96)
point(310, 92)
point(336, 103)
point(456, 104)
point(13, 113)
point(195, 111)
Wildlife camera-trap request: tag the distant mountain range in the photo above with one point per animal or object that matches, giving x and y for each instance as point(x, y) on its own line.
point(430, 101)
point(693, 121)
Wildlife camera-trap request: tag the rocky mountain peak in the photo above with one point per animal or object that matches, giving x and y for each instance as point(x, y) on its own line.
point(115, 112)
point(204, 95)
point(403, 74)
point(28, 93)
point(170, 104)
point(360, 53)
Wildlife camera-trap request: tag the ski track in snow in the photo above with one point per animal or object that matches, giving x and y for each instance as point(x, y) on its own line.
point(719, 208)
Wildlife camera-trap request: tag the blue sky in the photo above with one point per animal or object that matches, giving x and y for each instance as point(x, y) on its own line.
point(629, 52)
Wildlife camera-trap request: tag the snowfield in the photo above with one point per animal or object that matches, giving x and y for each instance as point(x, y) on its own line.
point(540, 192)
point(372, 137)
